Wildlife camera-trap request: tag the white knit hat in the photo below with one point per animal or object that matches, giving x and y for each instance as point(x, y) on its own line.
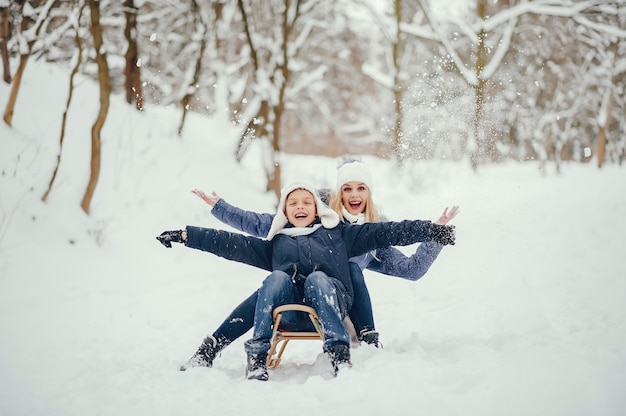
point(329, 218)
point(354, 172)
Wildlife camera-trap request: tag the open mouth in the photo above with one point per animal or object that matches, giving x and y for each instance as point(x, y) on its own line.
point(301, 215)
point(355, 204)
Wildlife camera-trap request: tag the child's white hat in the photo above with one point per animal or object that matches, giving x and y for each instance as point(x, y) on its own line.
point(329, 218)
point(354, 172)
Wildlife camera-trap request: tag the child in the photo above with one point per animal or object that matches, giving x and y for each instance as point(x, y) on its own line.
point(307, 250)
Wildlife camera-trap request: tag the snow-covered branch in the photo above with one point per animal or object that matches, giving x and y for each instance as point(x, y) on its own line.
point(600, 27)
point(501, 50)
point(562, 8)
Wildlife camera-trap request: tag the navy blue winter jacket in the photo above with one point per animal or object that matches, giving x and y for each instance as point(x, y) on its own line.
point(388, 260)
point(326, 250)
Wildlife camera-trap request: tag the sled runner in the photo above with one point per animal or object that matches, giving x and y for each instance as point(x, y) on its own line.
point(280, 337)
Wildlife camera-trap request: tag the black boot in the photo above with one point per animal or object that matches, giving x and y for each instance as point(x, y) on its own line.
point(370, 337)
point(257, 367)
point(204, 356)
point(339, 355)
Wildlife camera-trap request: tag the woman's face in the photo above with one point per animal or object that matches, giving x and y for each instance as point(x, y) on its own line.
point(300, 208)
point(354, 197)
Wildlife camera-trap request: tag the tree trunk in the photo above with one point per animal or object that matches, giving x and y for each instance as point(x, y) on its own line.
point(279, 108)
point(602, 133)
point(79, 47)
point(186, 100)
point(397, 87)
point(15, 87)
point(105, 91)
point(17, 80)
point(24, 25)
point(262, 125)
point(479, 98)
point(134, 92)
point(4, 38)
point(257, 126)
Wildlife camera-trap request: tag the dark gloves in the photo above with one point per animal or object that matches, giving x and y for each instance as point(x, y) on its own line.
point(168, 237)
point(442, 234)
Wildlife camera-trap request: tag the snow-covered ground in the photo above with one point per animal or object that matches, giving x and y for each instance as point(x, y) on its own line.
point(524, 315)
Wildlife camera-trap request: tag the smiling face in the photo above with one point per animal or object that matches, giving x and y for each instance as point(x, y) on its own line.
point(354, 197)
point(300, 208)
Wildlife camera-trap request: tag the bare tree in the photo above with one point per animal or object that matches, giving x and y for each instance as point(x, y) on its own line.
point(398, 88)
point(132, 71)
point(78, 60)
point(30, 17)
point(104, 82)
point(604, 37)
point(200, 19)
point(4, 38)
point(271, 77)
point(566, 104)
point(478, 47)
point(503, 79)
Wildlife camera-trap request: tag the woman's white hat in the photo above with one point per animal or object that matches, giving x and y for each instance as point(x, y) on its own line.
point(329, 218)
point(354, 172)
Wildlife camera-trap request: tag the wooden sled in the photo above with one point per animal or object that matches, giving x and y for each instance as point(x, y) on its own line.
point(280, 338)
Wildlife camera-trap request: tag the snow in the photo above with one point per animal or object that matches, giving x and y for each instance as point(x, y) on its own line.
point(524, 315)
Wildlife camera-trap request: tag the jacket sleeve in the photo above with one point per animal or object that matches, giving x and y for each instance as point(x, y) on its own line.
point(393, 262)
point(360, 239)
point(231, 246)
point(249, 222)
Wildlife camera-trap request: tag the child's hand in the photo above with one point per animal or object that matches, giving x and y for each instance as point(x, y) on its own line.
point(211, 200)
point(168, 237)
point(446, 217)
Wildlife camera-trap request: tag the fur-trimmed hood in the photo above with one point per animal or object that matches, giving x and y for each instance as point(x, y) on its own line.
point(327, 216)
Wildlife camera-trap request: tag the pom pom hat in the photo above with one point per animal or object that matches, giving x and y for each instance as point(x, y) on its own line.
point(354, 172)
point(328, 217)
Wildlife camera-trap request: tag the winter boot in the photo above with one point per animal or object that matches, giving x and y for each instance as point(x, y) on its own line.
point(370, 337)
point(204, 356)
point(339, 355)
point(257, 367)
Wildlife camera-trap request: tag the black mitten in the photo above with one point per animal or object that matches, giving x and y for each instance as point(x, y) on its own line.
point(442, 234)
point(168, 237)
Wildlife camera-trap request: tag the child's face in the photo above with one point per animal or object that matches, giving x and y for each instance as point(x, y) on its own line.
point(300, 208)
point(354, 197)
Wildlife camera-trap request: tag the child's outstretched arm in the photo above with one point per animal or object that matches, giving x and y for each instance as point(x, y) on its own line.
point(231, 246)
point(363, 238)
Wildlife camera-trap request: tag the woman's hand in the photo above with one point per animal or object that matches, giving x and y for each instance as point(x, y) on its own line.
point(446, 217)
point(211, 200)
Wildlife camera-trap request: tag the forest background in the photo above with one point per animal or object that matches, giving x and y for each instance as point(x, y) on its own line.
point(480, 81)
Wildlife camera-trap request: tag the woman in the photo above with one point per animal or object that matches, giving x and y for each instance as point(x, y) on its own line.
point(353, 202)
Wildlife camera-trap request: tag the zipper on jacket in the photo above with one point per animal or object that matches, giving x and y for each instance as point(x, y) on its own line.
point(295, 273)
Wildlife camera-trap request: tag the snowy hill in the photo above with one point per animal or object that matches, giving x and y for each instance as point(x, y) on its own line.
point(524, 315)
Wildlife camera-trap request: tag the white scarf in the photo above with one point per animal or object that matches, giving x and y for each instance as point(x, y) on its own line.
point(354, 219)
point(296, 231)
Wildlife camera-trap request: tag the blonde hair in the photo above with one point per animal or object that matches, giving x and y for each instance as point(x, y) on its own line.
point(371, 212)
